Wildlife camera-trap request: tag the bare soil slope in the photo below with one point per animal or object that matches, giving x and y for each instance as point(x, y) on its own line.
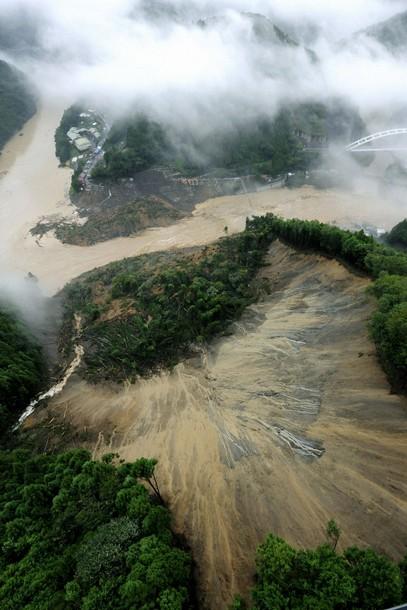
point(281, 426)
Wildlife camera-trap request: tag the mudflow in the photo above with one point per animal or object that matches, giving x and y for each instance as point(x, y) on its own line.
point(278, 427)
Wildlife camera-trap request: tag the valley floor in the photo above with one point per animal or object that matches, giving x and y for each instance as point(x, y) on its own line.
point(33, 187)
point(284, 424)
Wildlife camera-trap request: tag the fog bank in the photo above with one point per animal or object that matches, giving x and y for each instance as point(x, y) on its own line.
point(182, 61)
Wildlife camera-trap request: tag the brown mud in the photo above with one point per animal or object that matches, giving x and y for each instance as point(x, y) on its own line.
point(279, 427)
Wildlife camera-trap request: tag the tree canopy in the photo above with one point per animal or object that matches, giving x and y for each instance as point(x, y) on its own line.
point(22, 368)
point(398, 234)
point(133, 145)
point(70, 118)
point(82, 534)
point(321, 579)
point(167, 302)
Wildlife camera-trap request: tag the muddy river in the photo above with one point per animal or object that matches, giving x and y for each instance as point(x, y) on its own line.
point(32, 186)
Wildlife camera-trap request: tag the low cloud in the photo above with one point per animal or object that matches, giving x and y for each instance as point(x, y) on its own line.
point(157, 55)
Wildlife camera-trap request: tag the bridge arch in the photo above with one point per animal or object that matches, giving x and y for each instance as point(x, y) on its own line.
point(356, 146)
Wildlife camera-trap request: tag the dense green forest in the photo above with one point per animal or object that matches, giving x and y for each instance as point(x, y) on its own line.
point(22, 369)
point(94, 535)
point(322, 579)
point(165, 303)
point(80, 534)
point(263, 146)
point(132, 146)
point(398, 235)
point(17, 103)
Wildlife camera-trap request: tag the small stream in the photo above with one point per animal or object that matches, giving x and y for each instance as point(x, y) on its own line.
point(59, 386)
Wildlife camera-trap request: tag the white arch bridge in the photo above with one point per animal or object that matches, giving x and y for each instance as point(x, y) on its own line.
point(360, 145)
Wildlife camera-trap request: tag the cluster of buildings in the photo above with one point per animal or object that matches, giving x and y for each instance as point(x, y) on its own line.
point(84, 137)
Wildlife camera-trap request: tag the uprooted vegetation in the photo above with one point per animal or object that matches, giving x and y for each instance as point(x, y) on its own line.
point(107, 223)
point(145, 313)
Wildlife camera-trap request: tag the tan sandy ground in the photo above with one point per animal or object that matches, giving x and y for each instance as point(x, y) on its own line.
point(33, 186)
point(299, 369)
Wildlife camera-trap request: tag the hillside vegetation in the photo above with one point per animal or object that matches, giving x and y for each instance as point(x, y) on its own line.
point(145, 313)
point(80, 534)
point(71, 118)
point(132, 146)
point(265, 146)
point(17, 103)
point(22, 369)
point(322, 579)
point(398, 235)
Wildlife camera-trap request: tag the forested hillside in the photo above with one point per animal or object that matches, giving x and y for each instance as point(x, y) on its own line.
point(398, 235)
point(22, 369)
point(17, 103)
point(388, 325)
point(391, 33)
point(144, 313)
point(263, 146)
point(81, 534)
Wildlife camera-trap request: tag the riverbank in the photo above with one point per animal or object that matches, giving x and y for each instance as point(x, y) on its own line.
point(31, 186)
point(55, 263)
point(34, 186)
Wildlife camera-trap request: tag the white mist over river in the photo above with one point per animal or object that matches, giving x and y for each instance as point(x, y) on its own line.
point(33, 186)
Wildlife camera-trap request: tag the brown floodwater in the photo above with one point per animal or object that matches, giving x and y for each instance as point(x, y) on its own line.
point(32, 186)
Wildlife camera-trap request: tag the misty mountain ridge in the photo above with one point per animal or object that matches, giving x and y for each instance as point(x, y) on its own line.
point(17, 103)
point(392, 33)
point(262, 30)
point(20, 32)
